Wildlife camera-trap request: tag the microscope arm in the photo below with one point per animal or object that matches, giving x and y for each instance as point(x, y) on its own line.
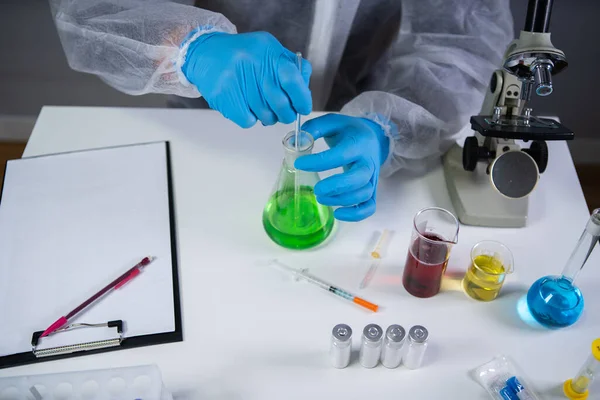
point(503, 91)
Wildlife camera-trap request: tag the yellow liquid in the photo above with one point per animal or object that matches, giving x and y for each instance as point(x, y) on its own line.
point(484, 281)
point(580, 384)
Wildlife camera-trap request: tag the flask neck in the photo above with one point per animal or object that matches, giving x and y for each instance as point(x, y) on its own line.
point(293, 151)
point(586, 244)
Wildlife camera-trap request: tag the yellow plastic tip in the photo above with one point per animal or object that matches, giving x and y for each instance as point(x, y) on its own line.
point(375, 254)
point(571, 394)
point(596, 349)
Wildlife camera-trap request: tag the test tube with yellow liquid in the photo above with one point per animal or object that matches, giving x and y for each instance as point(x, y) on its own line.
point(491, 261)
point(577, 388)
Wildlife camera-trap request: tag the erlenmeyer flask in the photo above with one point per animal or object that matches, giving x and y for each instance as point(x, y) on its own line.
point(292, 217)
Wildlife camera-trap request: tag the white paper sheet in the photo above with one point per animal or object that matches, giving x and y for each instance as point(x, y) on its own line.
point(72, 223)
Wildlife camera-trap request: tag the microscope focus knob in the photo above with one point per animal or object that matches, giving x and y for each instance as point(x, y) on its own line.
point(539, 152)
point(473, 153)
point(470, 153)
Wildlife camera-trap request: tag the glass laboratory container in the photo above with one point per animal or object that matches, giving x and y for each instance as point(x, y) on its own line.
point(491, 261)
point(554, 301)
point(340, 349)
point(292, 216)
point(418, 337)
point(435, 231)
point(393, 346)
point(577, 388)
point(370, 347)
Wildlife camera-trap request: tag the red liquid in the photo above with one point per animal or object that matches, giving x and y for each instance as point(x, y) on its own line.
point(425, 265)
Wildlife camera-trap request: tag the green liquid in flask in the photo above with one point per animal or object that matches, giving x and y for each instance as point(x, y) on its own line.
point(292, 217)
point(308, 227)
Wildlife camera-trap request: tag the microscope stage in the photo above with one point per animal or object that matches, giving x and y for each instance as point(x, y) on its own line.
point(520, 128)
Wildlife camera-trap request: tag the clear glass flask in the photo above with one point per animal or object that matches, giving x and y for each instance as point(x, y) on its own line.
point(292, 217)
point(554, 301)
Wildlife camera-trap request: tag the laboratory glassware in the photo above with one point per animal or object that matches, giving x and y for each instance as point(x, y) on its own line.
point(435, 231)
point(554, 301)
point(370, 348)
point(393, 343)
point(292, 216)
point(491, 261)
point(298, 116)
point(375, 259)
point(577, 388)
point(418, 337)
point(340, 349)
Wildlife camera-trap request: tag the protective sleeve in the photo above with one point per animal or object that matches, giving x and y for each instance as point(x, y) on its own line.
point(134, 46)
point(434, 77)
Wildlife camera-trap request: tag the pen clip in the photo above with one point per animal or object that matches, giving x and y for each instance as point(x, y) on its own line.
point(79, 347)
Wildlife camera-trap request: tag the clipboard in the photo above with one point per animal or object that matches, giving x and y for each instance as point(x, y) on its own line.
point(70, 223)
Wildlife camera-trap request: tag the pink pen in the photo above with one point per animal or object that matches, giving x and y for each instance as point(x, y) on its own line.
point(116, 284)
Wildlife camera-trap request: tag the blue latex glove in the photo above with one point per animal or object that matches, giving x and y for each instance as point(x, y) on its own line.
point(249, 77)
point(360, 146)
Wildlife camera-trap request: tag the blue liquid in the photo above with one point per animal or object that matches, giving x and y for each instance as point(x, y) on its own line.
point(555, 302)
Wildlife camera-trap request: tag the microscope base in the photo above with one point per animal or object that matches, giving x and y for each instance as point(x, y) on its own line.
point(475, 200)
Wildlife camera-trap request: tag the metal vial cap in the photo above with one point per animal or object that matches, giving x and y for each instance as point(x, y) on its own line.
point(342, 332)
point(395, 333)
point(373, 332)
point(418, 334)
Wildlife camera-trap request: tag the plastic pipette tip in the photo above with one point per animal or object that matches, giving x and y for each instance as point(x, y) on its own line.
point(369, 275)
point(571, 394)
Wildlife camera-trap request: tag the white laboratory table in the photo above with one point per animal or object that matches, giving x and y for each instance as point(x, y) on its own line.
point(252, 333)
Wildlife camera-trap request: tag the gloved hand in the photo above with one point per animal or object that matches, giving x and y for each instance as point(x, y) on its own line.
point(360, 146)
point(249, 77)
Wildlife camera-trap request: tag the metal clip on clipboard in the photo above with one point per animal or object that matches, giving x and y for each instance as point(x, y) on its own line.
point(75, 348)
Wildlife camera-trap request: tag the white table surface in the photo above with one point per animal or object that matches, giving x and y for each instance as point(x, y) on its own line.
point(252, 333)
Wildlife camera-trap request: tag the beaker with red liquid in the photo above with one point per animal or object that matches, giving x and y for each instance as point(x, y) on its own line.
point(435, 231)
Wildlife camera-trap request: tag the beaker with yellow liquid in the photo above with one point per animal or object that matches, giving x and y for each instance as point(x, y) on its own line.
point(491, 261)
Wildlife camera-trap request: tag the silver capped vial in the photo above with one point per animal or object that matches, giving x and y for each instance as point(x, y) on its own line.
point(417, 344)
point(341, 346)
point(370, 347)
point(391, 353)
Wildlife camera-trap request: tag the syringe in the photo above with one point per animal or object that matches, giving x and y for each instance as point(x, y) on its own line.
point(376, 260)
point(577, 388)
point(301, 273)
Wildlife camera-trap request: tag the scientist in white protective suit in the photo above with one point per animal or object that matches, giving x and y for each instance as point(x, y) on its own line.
point(406, 75)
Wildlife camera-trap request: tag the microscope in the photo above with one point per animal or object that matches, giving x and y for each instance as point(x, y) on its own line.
point(491, 176)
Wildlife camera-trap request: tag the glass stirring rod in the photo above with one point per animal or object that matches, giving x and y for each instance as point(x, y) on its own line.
point(376, 260)
point(296, 184)
point(299, 64)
